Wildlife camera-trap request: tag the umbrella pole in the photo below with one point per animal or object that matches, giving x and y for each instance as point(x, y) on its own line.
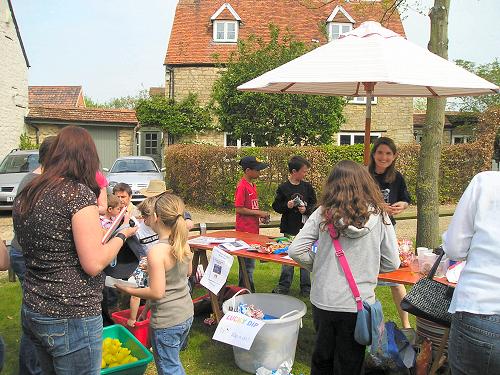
point(368, 121)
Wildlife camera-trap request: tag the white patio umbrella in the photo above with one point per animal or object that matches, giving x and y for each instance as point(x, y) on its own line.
point(371, 61)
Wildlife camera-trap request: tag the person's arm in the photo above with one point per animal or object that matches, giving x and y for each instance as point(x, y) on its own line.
point(403, 199)
point(102, 201)
point(249, 212)
point(458, 237)
point(134, 308)
point(300, 248)
point(156, 271)
point(144, 313)
point(4, 257)
point(189, 220)
point(280, 204)
point(389, 252)
point(87, 234)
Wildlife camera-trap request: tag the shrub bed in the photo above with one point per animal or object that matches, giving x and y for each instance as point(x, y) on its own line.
point(207, 175)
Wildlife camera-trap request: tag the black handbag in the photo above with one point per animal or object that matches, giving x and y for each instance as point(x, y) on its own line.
point(430, 299)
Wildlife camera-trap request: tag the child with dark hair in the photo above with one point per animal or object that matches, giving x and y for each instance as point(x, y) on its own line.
point(112, 211)
point(295, 200)
point(351, 202)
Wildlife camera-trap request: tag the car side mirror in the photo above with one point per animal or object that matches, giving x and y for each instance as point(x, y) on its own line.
point(105, 169)
point(163, 169)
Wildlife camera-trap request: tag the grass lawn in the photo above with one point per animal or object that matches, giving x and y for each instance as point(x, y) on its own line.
point(203, 356)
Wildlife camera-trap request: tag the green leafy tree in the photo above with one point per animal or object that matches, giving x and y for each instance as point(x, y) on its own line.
point(177, 118)
point(25, 143)
point(272, 119)
point(490, 72)
point(123, 102)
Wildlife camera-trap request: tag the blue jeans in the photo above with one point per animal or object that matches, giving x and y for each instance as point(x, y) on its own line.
point(167, 343)
point(28, 363)
point(250, 266)
point(65, 346)
point(286, 279)
point(474, 346)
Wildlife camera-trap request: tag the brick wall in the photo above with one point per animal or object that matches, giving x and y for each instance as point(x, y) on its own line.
point(13, 83)
point(393, 117)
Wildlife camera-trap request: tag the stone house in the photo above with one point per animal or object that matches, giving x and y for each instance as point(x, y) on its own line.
point(208, 28)
point(14, 66)
point(53, 107)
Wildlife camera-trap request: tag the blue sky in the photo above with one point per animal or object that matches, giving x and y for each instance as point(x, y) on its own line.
point(116, 48)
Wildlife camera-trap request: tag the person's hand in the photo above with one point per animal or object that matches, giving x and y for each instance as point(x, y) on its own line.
point(123, 288)
point(302, 209)
point(398, 207)
point(129, 232)
point(131, 322)
point(290, 204)
point(189, 224)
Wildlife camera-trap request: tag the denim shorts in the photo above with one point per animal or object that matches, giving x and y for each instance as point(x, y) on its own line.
point(72, 346)
point(167, 344)
point(474, 346)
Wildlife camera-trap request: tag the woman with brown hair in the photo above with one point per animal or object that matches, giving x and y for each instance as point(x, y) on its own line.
point(56, 221)
point(393, 187)
point(352, 203)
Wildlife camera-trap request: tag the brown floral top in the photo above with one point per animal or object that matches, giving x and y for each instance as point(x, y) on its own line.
point(55, 283)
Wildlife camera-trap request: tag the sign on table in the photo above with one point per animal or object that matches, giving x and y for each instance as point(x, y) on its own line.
point(217, 270)
point(238, 330)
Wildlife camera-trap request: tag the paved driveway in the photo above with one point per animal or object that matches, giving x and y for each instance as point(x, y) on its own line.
point(6, 232)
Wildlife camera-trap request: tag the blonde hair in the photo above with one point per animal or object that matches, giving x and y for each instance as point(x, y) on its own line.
point(169, 209)
point(147, 206)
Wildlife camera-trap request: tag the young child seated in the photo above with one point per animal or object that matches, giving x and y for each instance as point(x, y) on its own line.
point(111, 212)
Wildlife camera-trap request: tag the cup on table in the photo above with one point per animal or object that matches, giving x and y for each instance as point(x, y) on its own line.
point(442, 268)
point(414, 265)
point(425, 262)
point(423, 250)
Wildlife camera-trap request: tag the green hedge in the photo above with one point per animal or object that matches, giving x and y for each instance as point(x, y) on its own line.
point(207, 175)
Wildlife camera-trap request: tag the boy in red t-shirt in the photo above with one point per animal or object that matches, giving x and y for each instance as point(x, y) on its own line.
point(246, 202)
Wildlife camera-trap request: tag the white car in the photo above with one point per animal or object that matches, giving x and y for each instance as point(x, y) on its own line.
point(136, 171)
point(16, 165)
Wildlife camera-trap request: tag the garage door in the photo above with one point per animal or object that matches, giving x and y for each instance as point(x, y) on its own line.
point(106, 141)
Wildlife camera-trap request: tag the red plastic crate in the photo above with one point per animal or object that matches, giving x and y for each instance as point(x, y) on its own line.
point(141, 329)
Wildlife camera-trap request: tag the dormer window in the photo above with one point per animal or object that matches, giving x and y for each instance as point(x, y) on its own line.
point(225, 31)
point(226, 23)
point(339, 22)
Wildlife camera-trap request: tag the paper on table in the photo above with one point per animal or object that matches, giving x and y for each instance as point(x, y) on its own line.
point(233, 246)
point(237, 329)
point(217, 270)
point(205, 240)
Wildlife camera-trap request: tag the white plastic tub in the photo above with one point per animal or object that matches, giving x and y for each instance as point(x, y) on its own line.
point(277, 340)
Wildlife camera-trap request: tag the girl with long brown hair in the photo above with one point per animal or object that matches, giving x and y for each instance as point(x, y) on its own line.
point(352, 202)
point(392, 184)
point(169, 265)
point(56, 221)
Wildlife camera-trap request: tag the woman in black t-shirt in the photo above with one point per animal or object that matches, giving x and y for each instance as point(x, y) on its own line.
point(393, 187)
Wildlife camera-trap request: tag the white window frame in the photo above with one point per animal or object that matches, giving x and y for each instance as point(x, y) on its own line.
point(341, 25)
point(238, 142)
point(352, 134)
point(226, 39)
point(466, 138)
point(362, 100)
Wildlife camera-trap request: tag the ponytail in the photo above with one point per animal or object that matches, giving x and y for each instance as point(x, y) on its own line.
point(178, 239)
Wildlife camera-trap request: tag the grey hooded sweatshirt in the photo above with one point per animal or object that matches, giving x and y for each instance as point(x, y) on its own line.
point(369, 251)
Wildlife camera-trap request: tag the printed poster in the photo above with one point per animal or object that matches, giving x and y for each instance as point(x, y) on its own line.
point(217, 270)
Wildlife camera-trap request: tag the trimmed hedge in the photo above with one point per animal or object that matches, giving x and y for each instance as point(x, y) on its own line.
point(207, 175)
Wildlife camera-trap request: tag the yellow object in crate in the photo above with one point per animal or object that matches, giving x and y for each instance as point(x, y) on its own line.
point(114, 355)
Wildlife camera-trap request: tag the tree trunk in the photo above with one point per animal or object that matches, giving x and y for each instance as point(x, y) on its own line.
point(428, 233)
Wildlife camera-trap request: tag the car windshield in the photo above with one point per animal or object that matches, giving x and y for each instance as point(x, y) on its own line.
point(22, 163)
point(133, 165)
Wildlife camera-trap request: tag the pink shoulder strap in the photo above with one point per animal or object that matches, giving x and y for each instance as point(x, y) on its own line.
point(345, 266)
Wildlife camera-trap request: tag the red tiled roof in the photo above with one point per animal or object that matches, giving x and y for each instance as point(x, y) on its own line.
point(192, 32)
point(60, 96)
point(88, 115)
